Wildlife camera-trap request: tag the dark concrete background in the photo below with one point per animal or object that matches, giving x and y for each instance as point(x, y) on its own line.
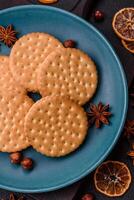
point(85, 8)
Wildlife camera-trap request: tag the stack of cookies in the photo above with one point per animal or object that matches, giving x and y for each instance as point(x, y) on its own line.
point(65, 77)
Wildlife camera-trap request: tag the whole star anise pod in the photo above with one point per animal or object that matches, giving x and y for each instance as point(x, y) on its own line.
point(12, 197)
point(131, 153)
point(98, 114)
point(129, 128)
point(8, 35)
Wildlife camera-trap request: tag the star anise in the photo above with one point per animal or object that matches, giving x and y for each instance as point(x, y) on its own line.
point(131, 153)
point(8, 35)
point(129, 128)
point(11, 197)
point(99, 114)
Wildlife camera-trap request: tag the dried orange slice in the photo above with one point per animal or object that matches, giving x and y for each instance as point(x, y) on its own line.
point(112, 178)
point(123, 24)
point(48, 1)
point(128, 45)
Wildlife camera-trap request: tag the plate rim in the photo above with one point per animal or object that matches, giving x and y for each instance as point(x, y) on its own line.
point(125, 88)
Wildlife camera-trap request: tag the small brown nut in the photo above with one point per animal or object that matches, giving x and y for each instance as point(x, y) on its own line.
point(69, 43)
point(88, 197)
point(16, 157)
point(98, 15)
point(27, 163)
point(48, 1)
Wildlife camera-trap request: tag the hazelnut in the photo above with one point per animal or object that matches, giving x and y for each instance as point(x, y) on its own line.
point(69, 44)
point(16, 157)
point(98, 15)
point(88, 197)
point(27, 163)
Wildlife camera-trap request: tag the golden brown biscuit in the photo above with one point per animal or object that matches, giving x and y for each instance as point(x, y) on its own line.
point(27, 54)
point(56, 126)
point(14, 105)
point(68, 72)
point(7, 83)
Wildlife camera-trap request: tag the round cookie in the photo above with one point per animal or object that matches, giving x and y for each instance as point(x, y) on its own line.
point(69, 72)
point(56, 126)
point(27, 54)
point(13, 110)
point(8, 85)
point(14, 105)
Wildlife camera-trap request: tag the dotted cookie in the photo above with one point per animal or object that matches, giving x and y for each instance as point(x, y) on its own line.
point(27, 54)
point(56, 126)
point(69, 72)
point(14, 105)
point(8, 85)
point(13, 110)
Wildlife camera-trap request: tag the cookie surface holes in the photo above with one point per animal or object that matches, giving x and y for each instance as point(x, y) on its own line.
point(92, 74)
point(92, 85)
point(73, 145)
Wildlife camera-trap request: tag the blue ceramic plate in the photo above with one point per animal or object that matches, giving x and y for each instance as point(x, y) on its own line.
point(51, 173)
